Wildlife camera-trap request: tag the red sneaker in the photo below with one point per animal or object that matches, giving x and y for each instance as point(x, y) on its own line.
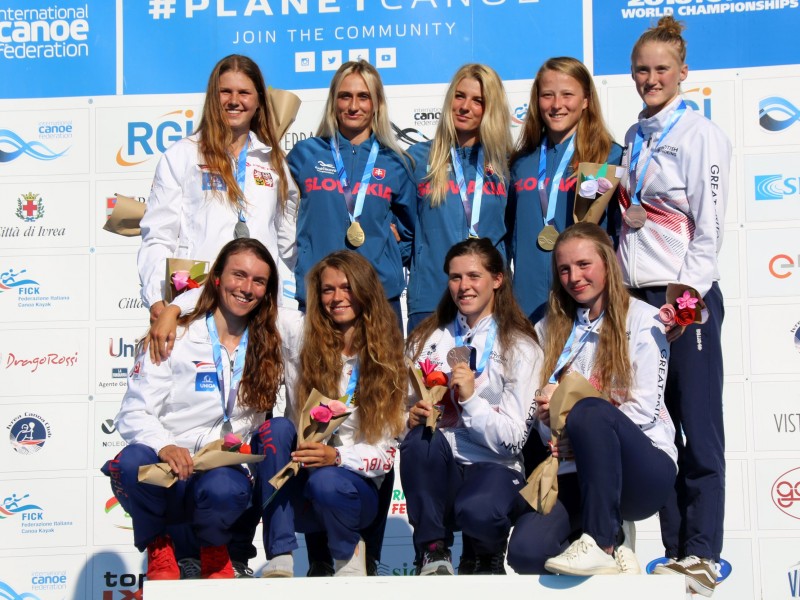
point(161, 563)
point(215, 563)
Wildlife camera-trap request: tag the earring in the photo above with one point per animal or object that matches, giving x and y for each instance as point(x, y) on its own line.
point(216, 282)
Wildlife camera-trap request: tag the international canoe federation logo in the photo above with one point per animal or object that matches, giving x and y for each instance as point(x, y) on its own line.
point(6, 591)
point(723, 568)
point(30, 207)
point(18, 147)
point(28, 433)
point(11, 279)
point(776, 113)
point(14, 505)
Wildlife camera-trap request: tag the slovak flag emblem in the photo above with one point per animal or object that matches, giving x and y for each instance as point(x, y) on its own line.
point(378, 173)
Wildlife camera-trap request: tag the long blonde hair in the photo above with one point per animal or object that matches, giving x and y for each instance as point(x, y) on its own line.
point(216, 136)
point(494, 132)
point(592, 139)
point(667, 31)
point(382, 383)
point(612, 360)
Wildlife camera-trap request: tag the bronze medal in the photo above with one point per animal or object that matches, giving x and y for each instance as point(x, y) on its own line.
point(457, 355)
point(547, 238)
point(355, 235)
point(635, 216)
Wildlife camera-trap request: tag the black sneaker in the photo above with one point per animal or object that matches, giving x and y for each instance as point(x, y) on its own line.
point(490, 564)
point(372, 567)
point(241, 570)
point(318, 568)
point(467, 565)
point(436, 560)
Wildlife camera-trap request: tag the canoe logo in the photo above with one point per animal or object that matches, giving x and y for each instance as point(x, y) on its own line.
point(28, 433)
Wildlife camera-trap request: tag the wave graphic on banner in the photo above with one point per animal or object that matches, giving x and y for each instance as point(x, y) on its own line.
point(34, 149)
point(8, 593)
point(786, 113)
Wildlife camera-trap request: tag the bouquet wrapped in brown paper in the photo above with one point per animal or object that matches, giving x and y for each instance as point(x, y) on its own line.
point(210, 456)
point(429, 384)
point(594, 189)
point(314, 426)
point(125, 217)
point(541, 491)
point(284, 109)
point(183, 274)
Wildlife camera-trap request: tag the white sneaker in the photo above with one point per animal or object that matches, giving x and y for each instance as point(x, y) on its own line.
point(700, 573)
point(281, 565)
point(355, 566)
point(583, 557)
point(626, 559)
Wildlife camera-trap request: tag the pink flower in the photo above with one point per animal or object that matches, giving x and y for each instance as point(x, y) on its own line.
point(321, 413)
point(180, 279)
point(686, 301)
point(589, 188)
point(427, 367)
point(603, 185)
point(337, 408)
point(667, 314)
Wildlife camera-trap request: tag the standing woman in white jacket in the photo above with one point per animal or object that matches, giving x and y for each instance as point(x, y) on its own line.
point(228, 180)
point(678, 163)
point(222, 376)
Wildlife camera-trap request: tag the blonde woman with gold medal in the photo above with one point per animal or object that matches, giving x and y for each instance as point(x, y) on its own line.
point(354, 184)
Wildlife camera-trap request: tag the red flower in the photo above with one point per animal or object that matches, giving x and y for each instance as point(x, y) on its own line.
point(435, 378)
point(245, 449)
point(684, 316)
point(192, 284)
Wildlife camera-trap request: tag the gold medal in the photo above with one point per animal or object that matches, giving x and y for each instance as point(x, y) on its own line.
point(547, 238)
point(635, 216)
point(355, 235)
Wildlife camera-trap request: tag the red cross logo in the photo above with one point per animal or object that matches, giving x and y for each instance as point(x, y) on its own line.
point(29, 207)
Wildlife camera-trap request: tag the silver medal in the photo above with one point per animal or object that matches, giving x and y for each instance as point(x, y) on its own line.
point(459, 354)
point(226, 429)
point(240, 230)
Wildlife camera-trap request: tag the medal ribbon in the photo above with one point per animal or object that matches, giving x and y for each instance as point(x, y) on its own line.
point(549, 205)
point(472, 210)
point(241, 171)
point(487, 349)
point(637, 150)
point(236, 371)
point(354, 210)
point(569, 352)
point(352, 384)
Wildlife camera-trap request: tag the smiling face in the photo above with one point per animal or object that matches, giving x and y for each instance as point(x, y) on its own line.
point(467, 109)
point(354, 109)
point(472, 287)
point(582, 273)
point(658, 73)
point(561, 103)
point(337, 299)
point(239, 100)
point(242, 286)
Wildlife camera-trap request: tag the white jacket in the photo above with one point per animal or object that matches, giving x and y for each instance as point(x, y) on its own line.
point(685, 192)
point(493, 424)
point(643, 403)
point(182, 220)
point(178, 402)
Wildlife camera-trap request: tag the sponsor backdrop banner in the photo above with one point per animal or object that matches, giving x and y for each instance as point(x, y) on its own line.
point(95, 92)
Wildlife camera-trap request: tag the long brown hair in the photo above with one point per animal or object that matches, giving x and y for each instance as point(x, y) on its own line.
point(263, 367)
point(612, 360)
point(511, 321)
point(382, 383)
point(494, 131)
point(216, 137)
point(592, 139)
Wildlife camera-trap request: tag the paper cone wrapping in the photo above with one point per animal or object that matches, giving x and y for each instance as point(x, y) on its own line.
point(198, 271)
point(592, 210)
point(541, 490)
point(208, 457)
point(675, 290)
point(284, 109)
point(125, 217)
point(308, 430)
point(432, 395)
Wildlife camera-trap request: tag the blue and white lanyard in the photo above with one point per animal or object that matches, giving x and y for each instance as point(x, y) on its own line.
point(487, 348)
point(241, 171)
point(354, 210)
point(569, 352)
point(638, 141)
point(549, 205)
point(236, 371)
point(472, 210)
point(350, 392)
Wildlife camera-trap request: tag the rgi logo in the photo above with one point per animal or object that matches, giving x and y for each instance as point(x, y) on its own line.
point(145, 138)
point(776, 187)
point(699, 99)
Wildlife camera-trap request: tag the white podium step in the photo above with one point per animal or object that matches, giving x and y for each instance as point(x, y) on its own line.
point(477, 587)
